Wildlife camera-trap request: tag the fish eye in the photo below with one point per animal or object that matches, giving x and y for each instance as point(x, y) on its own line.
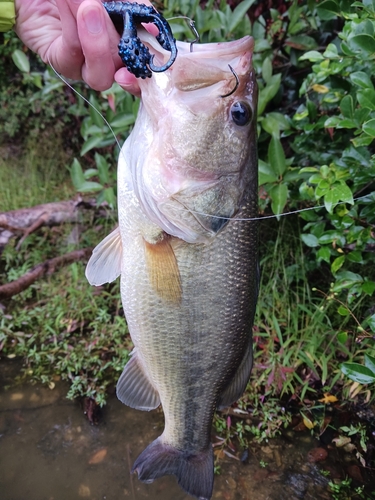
point(241, 113)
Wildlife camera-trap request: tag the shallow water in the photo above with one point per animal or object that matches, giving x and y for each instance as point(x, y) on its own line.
point(49, 451)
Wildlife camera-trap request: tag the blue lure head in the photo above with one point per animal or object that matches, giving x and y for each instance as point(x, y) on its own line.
point(134, 54)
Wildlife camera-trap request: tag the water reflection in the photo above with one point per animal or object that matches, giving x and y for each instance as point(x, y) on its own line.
point(49, 451)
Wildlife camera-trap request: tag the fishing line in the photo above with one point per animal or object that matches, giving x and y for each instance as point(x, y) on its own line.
point(268, 216)
point(182, 208)
point(87, 101)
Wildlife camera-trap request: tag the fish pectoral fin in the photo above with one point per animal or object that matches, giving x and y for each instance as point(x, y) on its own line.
point(238, 383)
point(104, 265)
point(134, 388)
point(163, 270)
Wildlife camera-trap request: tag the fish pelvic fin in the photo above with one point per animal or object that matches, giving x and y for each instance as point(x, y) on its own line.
point(104, 265)
point(194, 471)
point(238, 383)
point(163, 270)
point(134, 388)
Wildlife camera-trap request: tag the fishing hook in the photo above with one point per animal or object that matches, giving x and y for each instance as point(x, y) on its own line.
point(134, 54)
point(191, 26)
point(237, 83)
point(195, 32)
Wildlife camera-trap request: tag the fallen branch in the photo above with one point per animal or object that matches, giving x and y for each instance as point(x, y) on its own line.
point(27, 220)
point(47, 267)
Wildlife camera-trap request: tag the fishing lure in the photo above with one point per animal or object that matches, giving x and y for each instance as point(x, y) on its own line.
point(134, 54)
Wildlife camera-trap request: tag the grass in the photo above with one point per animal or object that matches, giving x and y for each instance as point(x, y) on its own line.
point(32, 174)
point(65, 327)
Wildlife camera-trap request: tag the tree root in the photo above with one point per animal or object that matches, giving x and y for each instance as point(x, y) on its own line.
point(45, 268)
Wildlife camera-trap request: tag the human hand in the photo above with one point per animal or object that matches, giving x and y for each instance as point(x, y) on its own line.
point(77, 37)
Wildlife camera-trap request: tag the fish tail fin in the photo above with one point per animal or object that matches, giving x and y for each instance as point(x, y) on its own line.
point(194, 471)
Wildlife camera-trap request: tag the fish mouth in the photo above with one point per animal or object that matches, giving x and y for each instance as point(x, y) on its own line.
point(188, 67)
point(217, 49)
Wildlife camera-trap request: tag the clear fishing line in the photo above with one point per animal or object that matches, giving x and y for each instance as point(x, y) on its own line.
point(185, 209)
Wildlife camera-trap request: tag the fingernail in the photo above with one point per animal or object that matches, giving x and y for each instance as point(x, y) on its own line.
point(92, 20)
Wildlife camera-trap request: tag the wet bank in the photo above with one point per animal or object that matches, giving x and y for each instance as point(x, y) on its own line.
point(49, 451)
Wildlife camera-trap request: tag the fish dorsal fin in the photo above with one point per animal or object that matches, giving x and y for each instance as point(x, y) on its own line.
point(104, 265)
point(237, 385)
point(163, 270)
point(134, 388)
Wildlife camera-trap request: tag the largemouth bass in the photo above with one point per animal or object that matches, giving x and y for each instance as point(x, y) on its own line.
point(187, 253)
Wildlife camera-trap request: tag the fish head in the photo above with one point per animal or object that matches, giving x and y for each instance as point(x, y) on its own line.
point(199, 118)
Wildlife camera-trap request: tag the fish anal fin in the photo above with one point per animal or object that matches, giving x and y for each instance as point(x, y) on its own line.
point(104, 265)
point(194, 470)
point(134, 388)
point(163, 270)
point(238, 383)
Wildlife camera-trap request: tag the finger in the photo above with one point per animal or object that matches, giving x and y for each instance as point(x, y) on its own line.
point(99, 66)
point(65, 51)
point(128, 82)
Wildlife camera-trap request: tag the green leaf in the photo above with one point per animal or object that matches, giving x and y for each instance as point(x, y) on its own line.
point(123, 121)
point(369, 127)
point(95, 113)
point(21, 60)
point(267, 69)
point(362, 140)
point(342, 337)
point(92, 142)
point(328, 10)
point(371, 323)
point(103, 168)
point(301, 42)
point(331, 52)
point(332, 121)
point(346, 123)
point(310, 240)
point(361, 79)
point(279, 197)
point(370, 363)
point(364, 42)
point(330, 237)
point(366, 98)
point(337, 193)
point(110, 197)
point(90, 187)
point(343, 311)
point(368, 287)
point(265, 173)
point(261, 45)
point(76, 174)
point(355, 256)
point(358, 373)
point(347, 106)
point(90, 172)
point(311, 55)
point(337, 263)
point(238, 14)
point(269, 92)
point(274, 122)
point(324, 254)
point(276, 156)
